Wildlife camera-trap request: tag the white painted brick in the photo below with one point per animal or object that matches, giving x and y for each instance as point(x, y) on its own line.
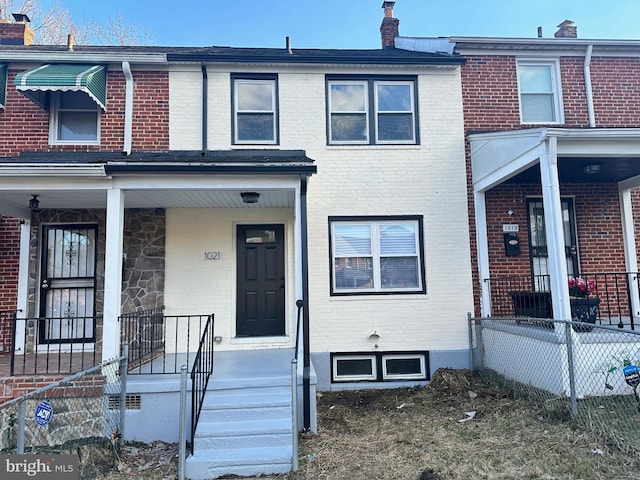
point(428, 179)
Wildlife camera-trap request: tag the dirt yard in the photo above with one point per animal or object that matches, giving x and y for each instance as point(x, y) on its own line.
point(459, 427)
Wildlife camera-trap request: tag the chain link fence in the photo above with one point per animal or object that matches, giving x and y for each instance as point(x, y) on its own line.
point(82, 409)
point(586, 373)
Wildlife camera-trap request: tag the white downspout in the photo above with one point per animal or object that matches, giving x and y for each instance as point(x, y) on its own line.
point(587, 85)
point(128, 108)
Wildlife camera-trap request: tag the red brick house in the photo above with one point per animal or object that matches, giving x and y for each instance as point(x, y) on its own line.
point(553, 159)
point(58, 103)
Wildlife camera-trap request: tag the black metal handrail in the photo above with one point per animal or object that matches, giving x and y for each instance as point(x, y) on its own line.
point(200, 374)
point(299, 304)
point(54, 345)
point(614, 290)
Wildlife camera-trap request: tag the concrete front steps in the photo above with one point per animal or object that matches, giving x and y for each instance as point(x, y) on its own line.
point(245, 427)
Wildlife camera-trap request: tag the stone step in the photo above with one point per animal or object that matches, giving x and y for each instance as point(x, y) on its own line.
point(245, 462)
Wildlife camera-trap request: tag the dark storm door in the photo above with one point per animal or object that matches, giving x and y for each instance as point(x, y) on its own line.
point(538, 253)
point(67, 284)
point(260, 281)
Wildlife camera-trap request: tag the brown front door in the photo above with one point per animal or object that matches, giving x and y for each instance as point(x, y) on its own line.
point(260, 281)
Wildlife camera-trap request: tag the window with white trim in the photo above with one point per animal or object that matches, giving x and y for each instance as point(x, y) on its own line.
point(404, 367)
point(374, 255)
point(540, 92)
point(255, 116)
point(354, 368)
point(371, 111)
point(75, 119)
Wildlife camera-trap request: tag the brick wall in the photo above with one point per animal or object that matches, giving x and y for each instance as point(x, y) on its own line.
point(599, 231)
point(9, 260)
point(490, 98)
point(24, 126)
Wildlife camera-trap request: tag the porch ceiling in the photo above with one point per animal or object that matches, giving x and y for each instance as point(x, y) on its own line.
point(13, 202)
point(584, 156)
point(576, 170)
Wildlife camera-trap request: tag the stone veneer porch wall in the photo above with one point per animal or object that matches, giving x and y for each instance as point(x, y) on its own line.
point(143, 246)
point(143, 272)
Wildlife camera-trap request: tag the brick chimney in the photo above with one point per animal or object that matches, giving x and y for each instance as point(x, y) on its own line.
point(389, 27)
point(566, 29)
point(17, 33)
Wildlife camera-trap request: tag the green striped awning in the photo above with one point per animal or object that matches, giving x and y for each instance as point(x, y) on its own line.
point(3, 84)
point(90, 79)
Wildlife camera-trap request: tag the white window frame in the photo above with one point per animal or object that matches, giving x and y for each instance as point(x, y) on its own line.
point(54, 122)
point(274, 114)
point(375, 254)
point(355, 378)
point(556, 85)
point(371, 110)
point(422, 375)
point(412, 111)
point(363, 83)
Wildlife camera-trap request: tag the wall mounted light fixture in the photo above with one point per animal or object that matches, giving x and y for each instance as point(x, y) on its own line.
point(250, 197)
point(592, 168)
point(34, 204)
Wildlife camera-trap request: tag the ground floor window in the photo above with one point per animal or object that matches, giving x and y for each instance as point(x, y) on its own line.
point(379, 366)
point(372, 255)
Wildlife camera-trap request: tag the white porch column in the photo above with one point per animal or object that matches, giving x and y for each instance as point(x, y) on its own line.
point(555, 230)
point(483, 252)
point(630, 252)
point(113, 274)
point(23, 283)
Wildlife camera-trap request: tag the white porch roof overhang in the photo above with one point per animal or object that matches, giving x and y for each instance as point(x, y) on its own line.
point(115, 183)
point(499, 156)
point(562, 155)
point(173, 180)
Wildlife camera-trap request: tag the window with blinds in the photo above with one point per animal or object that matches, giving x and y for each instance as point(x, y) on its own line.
point(376, 255)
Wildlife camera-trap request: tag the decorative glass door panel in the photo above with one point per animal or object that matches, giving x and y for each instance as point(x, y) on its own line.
point(538, 242)
point(68, 283)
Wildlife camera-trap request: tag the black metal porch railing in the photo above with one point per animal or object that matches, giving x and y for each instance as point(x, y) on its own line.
point(53, 345)
point(8, 332)
point(144, 332)
point(526, 295)
point(158, 343)
point(200, 374)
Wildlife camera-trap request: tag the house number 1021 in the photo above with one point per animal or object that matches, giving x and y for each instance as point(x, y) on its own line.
point(212, 255)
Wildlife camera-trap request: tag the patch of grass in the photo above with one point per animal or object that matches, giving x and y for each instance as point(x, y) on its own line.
point(416, 434)
point(409, 433)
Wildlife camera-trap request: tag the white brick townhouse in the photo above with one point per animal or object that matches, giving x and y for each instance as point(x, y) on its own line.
point(312, 201)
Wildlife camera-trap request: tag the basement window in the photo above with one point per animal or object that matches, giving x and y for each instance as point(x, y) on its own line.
point(379, 366)
point(354, 368)
point(404, 367)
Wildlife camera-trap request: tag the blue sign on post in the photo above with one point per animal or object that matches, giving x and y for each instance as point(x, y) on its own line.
point(44, 412)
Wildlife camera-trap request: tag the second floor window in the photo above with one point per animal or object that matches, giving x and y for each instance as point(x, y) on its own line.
point(75, 119)
point(255, 110)
point(371, 111)
point(540, 96)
